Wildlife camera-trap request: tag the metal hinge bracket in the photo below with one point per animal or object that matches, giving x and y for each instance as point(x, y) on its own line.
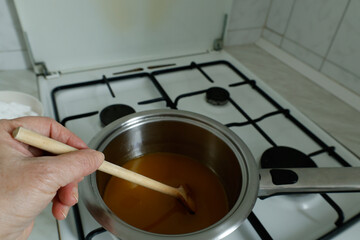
point(219, 42)
point(41, 69)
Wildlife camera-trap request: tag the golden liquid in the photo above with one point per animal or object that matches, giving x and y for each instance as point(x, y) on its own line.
point(156, 212)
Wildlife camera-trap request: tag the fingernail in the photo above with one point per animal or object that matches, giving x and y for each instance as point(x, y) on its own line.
point(75, 193)
point(65, 211)
point(63, 214)
point(101, 155)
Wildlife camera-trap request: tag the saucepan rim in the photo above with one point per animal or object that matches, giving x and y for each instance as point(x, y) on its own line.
point(90, 195)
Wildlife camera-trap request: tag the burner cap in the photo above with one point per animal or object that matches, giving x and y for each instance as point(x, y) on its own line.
point(113, 112)
point(285, 157)
point(217, 96)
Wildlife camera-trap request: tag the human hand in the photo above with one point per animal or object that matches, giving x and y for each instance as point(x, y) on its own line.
point(30, 181)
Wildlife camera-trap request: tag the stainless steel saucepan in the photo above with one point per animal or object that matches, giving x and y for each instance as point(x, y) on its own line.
point(215, 146)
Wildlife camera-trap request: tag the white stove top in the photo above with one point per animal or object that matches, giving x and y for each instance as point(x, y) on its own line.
point(302, 216)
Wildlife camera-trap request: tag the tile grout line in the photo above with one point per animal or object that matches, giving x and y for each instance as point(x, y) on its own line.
point(266, 19)
point(243, 29)
point(314, 53)
point(273, 31)
point(12, 51)
point(304, 47)
point(287, 23)
point(335, 34)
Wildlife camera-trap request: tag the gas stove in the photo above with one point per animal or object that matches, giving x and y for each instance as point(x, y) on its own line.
point(109, 58)
point(218, 86)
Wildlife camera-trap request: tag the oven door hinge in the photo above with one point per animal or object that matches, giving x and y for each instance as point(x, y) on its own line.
point(41, 70)
point(219, 42)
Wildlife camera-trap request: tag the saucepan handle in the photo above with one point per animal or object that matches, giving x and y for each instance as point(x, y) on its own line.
point(308, 180)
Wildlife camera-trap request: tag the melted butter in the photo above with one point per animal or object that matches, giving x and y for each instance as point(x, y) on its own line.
point(156, 212)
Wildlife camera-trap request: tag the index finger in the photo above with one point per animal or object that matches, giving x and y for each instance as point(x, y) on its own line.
point(50, 128)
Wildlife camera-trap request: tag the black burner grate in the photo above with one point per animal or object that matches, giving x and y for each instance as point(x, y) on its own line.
point(242, 82)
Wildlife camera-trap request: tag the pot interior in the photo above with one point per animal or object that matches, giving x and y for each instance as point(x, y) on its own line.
point(194, 141)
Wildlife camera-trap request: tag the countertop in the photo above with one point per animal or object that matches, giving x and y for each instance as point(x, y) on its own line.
point(330, 113)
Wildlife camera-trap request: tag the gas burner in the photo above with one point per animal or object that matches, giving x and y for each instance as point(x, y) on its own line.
point(285, 157)
point(217, 96)
point(113, 112)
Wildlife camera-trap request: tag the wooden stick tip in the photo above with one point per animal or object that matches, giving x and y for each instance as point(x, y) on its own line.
point(186, 198)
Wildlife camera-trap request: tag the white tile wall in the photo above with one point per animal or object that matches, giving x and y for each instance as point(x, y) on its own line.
point(13, 53)
point(248, 14)
point(14, 60)
point(272, 36)
point(345, 50)
point(9, 30)
point(301, 53)
point(279, 14)
point(313, 23)
point(246, 21)
point(344, 77)
point(324, 34)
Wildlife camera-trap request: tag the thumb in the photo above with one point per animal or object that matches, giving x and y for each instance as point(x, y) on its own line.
point(72, 166)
